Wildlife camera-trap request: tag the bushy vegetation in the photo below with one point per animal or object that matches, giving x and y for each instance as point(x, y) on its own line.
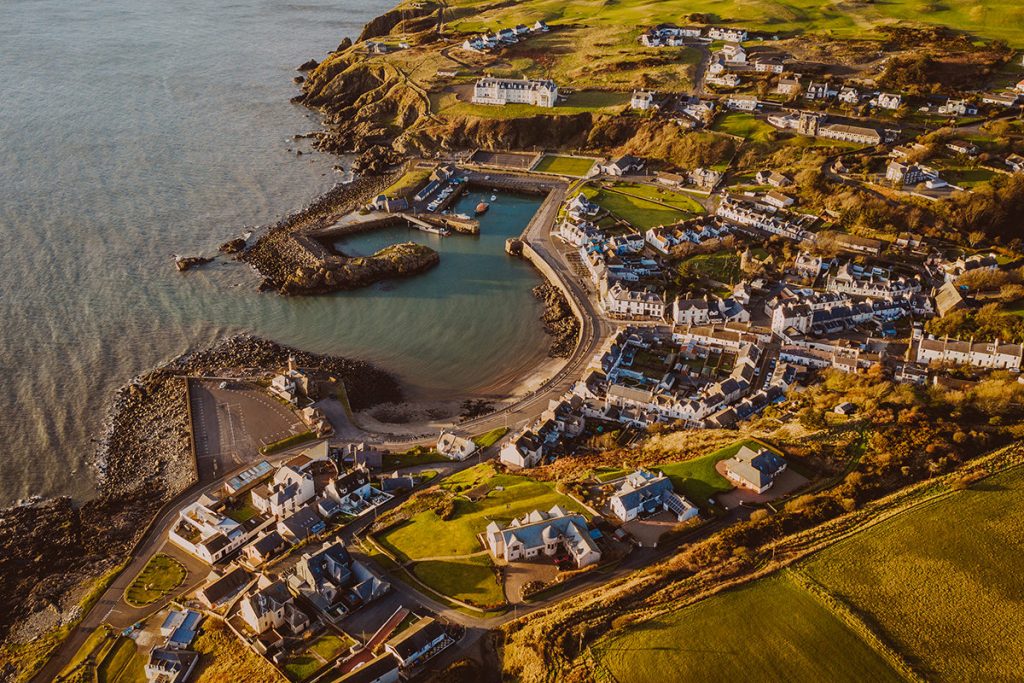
point(225, 659)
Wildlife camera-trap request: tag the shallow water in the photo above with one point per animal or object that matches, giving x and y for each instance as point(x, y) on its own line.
point(131, 131)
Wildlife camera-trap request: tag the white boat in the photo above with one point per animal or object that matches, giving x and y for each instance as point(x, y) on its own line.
point(494, 197)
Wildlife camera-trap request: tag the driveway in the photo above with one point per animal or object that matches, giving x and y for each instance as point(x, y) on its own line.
point(518, 574)
point(648, 530)
point(786, 483)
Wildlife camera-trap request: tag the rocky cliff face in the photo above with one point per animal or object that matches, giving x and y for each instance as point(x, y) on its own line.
point(405, 19)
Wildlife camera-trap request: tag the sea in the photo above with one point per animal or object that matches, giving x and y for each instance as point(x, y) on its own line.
point(135, 130)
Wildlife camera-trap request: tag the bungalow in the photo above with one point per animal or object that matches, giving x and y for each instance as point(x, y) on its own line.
point(670, 179)
point(642, 100)
point(644, 493)
point(788, 86)
point(778, 200)
point(418, 643)
point(1001, 99)
point(390, 204)
point(742, 102)
point(271, 606)
point(624, 165)
point(889, 100)
point(754, 470)
point(543, 533)
point(455, 447)
point(732, 35)
point(962, 147)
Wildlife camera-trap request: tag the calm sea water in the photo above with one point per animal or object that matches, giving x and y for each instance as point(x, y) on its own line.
point(131, 130)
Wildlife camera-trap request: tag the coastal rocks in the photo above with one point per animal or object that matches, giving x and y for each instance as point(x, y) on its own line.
point(559, 320)
point(184, 263)
point(397, 260)
point(298, 80)
point(470, 132)
point(233, 246)
point(376, 160)
point(308, 65)
point(409, 19)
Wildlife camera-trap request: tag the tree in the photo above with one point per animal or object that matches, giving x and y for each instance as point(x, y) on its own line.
point(974, 237)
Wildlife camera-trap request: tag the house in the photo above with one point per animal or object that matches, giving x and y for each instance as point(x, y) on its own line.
point(455, 447)
point(264, 548)
point(541, 534)
point(1000, 99)
point(773, 178)
point(731, 35)
point(381, 669)
point(847, 133)
point(670, 179)
point(624, 165)
point(788, 86)
point(390, 204)
point(848, 95)
point(904, 174)
point(962, 147)
point(180, 628)
point(778, 200)
point(301, 525)
point(332, 581)
point(642, 100)
point(290, 489)
point(770, 65)
point(861, 245)
point(754, 470)
point(734, 53)
point(220, 589)
point(541, 26)
point(502, 91)
point(820, 90)
point(209, 534)
point(845, 408)
point(271, 606)
point(958, 108)
point(167, 665)
point(418, 643)
point(992, 355)
point(742, 102)
point(704, 178)
point(644, 493)
point(620, 300)
point(889, 100)
point(524, 449)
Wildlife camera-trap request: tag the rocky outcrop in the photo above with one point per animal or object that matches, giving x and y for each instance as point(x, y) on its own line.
point(405, 19)
point(233, 246)
point(558, 319)
point(183, 263)
point(308, 65)
point(397, 260)
point(376, 160)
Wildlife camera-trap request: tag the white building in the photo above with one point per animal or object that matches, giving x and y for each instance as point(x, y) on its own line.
point(455, 447)
point(642, 100)
point(620, 300)
point(994, 355)
point(501, 91)
point(644, 493)
point(289, 490)
point(543, 534)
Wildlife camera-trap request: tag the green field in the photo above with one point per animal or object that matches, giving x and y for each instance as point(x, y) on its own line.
point(656, 193)
point(722, 266)
point(941, 583)
point(639, 212)
point(427, 535)
point(123, 664)
point(576, 167)
point(409, 183)
point(300, 667)
point(417, 455)
point(744, 125)
point(488, 439)
point(287, 442)
point(105, 657)
point(771, 630)
point(161, 575)
point(471, 580)
point(1002, 19)
point(697, 479)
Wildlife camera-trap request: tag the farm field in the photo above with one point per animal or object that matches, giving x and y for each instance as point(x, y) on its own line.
point(576, 167)
point(992, 19)
point(502, 497)
point(725, 637)
point(697, 479)
point(938, 586)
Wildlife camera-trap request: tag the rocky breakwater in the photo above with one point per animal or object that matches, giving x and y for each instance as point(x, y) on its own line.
point(559, 321)
point(292, 260)
point(52, 551)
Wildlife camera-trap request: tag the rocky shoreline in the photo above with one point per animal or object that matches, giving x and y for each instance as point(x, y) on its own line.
point(559, 321)
point(51, 550)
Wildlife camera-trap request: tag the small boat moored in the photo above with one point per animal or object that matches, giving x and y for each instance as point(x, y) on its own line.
point(482, 208)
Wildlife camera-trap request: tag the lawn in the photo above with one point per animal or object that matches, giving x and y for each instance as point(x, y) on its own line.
point(287, 442)
point(576, 167)
point(722, 266)
point(603, 474)
point(940, 582)
point(301, 667)
point(241, 511)
point(330, 645)
point(417, 455)
point(697, 479)
point(105, 657)
point(508, 496)
point(642, 214)
point(408, 183)
point(678, 200)
point(771, 630)
point(744, 125)
point(488, 439)
point(471, 580)
point(161, 575)
point(122, 664)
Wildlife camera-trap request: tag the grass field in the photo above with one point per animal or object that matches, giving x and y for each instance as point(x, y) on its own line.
point(408, 183)
point(744, 125)
point(771, 630)
point(330, 645)
point(471, 580)
point(427, 535)
point(641, 213)
point(123, 664)
point(418, 455)
point(677, 200)
point(287, 442)
point(300, 667)
point(105, 657)
point(161, 575)
point(1002, 19)
point(940, 583)
point(697, 479)
point(488, 439)
point(722, 266)
point(576, 167)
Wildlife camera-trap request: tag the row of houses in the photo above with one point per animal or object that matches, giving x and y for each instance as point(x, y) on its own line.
point(489, 42)
point(765, 217)
point(668, 35)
